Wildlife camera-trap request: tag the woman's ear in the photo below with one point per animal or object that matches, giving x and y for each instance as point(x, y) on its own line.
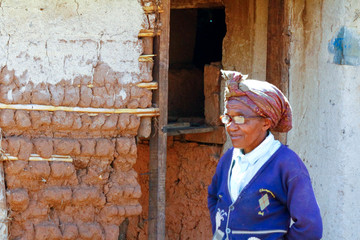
point(267, 124)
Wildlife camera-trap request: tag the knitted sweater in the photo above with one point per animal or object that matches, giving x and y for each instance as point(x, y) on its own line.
point(281, 190)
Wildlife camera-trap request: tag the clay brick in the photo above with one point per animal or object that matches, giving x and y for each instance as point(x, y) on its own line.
point(7, 118)
point(85, 96)
point(95, 176)
point(18, 199)
point(66, 147)
point(81, 162)
point(144, 130)
point(104, 148)
point(109, 214)
point(110, 123)
point(133, 104)
point(124, 121)
point(146, 69)
point(87, 147)
point(47, 230)
point(62, 170)
point(13, 146)
point(90, 231)
point(62, 120)
point(146, 100)
point(40, 119)
point(56, 196)
point(41, 94)
point(26, 148)
point(71, 96)
point(98, 97)
point(111, 232)
point(13, 181)
point(86, 214)
point(133, 210)
point(39, 170)
point(134, 124)
point(35, 210)
point(70, 231)
point(86, 121)
point(22, 119)
point(122, 96)
point(5, 93)
point(85, 195)
point(6, 76)
point(15, 167)
point(57, 94)
point(123, 145)
point(43, 147)
point(77, 122)
point(97, 122)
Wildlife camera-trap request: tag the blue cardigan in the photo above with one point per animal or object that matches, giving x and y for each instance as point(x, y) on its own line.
point(281, 190)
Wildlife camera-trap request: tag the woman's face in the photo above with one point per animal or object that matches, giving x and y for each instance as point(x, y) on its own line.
point(251, 133)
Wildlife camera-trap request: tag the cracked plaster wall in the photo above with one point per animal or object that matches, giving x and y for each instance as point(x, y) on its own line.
point(325, 95)
point(50, 41)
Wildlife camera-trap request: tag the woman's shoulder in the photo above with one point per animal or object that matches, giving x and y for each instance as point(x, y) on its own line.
point(289, 159)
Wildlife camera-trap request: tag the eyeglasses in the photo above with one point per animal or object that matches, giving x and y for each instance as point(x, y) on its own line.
point(226, 119)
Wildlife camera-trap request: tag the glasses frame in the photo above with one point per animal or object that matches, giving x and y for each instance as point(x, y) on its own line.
point(239, 120)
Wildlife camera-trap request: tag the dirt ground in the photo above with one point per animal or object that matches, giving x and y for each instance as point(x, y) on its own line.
point(190, 167)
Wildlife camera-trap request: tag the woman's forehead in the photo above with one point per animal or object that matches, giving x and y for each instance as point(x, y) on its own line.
point(237, 107)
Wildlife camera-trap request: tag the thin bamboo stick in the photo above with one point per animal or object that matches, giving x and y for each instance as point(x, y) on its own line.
point(149, 85)
point(149, 33)
point(148, 112)
point(36, 157)
point(147, 58)
point(152, 9)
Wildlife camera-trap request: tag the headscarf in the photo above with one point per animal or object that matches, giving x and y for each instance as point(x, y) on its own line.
point(262, 97)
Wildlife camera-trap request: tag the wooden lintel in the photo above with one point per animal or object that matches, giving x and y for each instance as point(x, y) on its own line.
point(34, 107)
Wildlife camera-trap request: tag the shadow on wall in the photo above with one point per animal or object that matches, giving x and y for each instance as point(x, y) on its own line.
point(346, 47)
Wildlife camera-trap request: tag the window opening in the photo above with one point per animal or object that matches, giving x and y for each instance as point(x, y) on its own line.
point(196, 37)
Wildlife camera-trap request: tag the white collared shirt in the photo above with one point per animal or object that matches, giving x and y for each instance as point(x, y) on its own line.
point(254, 160)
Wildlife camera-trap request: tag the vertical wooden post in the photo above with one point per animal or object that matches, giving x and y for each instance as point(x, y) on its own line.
point(158, 139)
point(278, 44)
point(3, 208)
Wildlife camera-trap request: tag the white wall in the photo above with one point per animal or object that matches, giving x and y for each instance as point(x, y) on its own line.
point(50, 41)
point(325, 97)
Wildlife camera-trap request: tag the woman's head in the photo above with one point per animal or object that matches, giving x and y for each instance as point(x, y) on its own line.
point(263, 106)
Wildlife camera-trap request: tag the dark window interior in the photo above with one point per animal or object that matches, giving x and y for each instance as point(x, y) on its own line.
point(195, 40)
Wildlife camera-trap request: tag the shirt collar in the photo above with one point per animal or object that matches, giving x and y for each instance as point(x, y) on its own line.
point(258, 152)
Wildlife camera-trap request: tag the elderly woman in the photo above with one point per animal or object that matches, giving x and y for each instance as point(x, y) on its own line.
point(260, 185)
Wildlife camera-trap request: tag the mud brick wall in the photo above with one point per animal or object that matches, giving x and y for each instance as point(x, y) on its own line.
point(74, 54)
point(187, 216)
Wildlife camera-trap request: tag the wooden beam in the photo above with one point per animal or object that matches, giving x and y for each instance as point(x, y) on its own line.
point(158, 139)
point(278, 44)
point(141, 112)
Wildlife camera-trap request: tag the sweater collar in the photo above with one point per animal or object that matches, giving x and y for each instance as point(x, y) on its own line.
point(258, 152)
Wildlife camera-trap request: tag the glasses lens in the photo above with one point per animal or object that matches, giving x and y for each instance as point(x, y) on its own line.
point(225, 119)
point(239, 119)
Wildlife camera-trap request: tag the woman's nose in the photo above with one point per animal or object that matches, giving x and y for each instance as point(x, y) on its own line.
point(232, 126)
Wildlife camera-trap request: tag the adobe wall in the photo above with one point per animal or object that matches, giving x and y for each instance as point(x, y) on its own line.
point(72, 54)
point(190, 167)
point(325, 92)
